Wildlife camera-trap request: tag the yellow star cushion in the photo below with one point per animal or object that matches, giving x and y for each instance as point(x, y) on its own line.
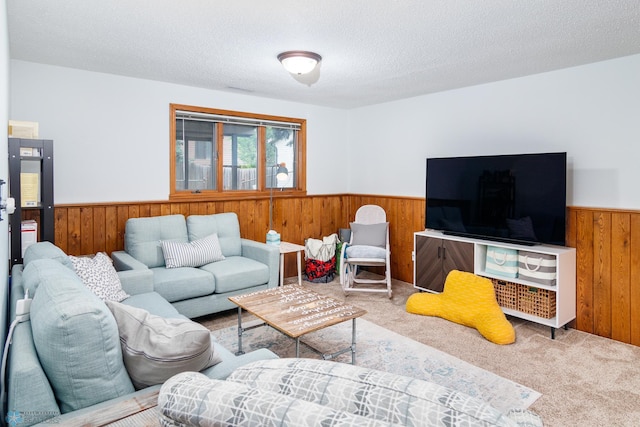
point(469, 300)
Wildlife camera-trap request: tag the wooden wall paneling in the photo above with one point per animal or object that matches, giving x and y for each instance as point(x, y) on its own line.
point(314, 229)
point(210, 207)
point(165, 209)
point(634, 275)
point(86, 230)
point(261, 221)
point(111, 229)
point(254, 219)
point(410, 219)
point(607, 243)
point(343, 204)
point(74, 228)
point(144, 210)
point(307, 228)
point(134, 211)
point(123, 215)
point(194, 208)
point(291, 210)
point(584, 270)
point(332, 221)
point(61, 231)
point(180, 208)
point(155, 209)
point(391, 209)
point(602, 273)
point(571, 241)
point(620, 280)
point(292, 221)
point(98, 226)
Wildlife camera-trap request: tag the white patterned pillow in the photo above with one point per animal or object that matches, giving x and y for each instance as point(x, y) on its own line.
point(99, 275)
point(192, 254)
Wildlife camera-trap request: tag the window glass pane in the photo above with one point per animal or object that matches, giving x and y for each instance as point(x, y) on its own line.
point(195, 158)
point(240, 157)
point(281, 151)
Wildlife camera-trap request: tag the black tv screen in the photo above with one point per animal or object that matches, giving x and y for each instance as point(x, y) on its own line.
point(519, 198)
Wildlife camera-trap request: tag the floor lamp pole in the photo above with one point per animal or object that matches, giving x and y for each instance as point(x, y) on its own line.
point(271, 199)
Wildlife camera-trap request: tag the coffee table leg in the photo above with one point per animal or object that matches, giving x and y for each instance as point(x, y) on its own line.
point(353, 341)
point(239, 352)
point(281, 269)
point(298, 347)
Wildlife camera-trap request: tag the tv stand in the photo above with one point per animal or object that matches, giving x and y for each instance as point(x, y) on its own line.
point(470, 254)
point(490, 239)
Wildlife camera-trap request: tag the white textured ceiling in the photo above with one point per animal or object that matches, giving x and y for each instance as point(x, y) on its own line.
point(373, 50)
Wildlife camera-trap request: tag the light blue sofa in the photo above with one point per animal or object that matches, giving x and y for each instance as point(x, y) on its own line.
point(67, 359)
point(248, 265)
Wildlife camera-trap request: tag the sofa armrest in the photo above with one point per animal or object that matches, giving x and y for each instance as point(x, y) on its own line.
point(122, 261)
point(136, 278)
point(118, 409)
point(28, 389)
point(266, 254)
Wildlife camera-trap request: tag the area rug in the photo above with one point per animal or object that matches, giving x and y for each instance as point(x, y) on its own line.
point(385, 350)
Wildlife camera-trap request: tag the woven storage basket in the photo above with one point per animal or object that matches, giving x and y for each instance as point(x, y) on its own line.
point(506, 293)
point(536, 301)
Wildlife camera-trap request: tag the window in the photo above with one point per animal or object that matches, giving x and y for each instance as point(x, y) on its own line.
point(226, 154)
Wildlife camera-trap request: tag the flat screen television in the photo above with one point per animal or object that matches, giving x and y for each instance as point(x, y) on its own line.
point(520, 198)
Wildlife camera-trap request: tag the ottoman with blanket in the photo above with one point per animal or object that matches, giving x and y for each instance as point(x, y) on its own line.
point(309, 392)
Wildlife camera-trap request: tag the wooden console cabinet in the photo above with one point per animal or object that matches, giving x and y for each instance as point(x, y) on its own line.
point(467, 254)
point(437, 258)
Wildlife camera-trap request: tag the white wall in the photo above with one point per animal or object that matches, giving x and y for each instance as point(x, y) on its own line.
point(592, 112)
point(111, 133)
point(4, 165)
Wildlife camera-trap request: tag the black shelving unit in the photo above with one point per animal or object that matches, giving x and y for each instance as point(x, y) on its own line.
point(41, 210)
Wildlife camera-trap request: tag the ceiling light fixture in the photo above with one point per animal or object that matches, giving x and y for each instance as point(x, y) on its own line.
point(299, 61)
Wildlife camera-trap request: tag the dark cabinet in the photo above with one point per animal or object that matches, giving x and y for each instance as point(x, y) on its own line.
point(435, 258)
point(31, 185)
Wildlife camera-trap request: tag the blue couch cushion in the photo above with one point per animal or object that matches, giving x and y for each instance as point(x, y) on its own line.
point(235, 273)
point(177, 284)
point(76, 339)
point(142, 237)
point(154, 304)
point(46, 250)
point(225, 225)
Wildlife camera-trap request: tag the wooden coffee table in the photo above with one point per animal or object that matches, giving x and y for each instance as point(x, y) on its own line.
point(296, 311)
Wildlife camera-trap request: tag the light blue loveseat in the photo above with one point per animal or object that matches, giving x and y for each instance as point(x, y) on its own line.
point(67, 358)
point(197, 291)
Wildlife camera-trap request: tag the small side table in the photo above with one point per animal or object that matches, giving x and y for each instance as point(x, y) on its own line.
point(285, 248)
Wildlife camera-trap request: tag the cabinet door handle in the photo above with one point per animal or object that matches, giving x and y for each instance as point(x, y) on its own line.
point(444, 253)
point(439, 252)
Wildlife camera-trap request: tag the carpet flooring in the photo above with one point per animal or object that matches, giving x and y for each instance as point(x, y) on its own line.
point(585, 380)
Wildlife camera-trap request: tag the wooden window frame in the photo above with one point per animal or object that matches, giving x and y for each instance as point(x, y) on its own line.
point(300, 188)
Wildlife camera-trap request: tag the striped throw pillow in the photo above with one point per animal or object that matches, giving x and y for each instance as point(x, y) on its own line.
point(192, 254)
